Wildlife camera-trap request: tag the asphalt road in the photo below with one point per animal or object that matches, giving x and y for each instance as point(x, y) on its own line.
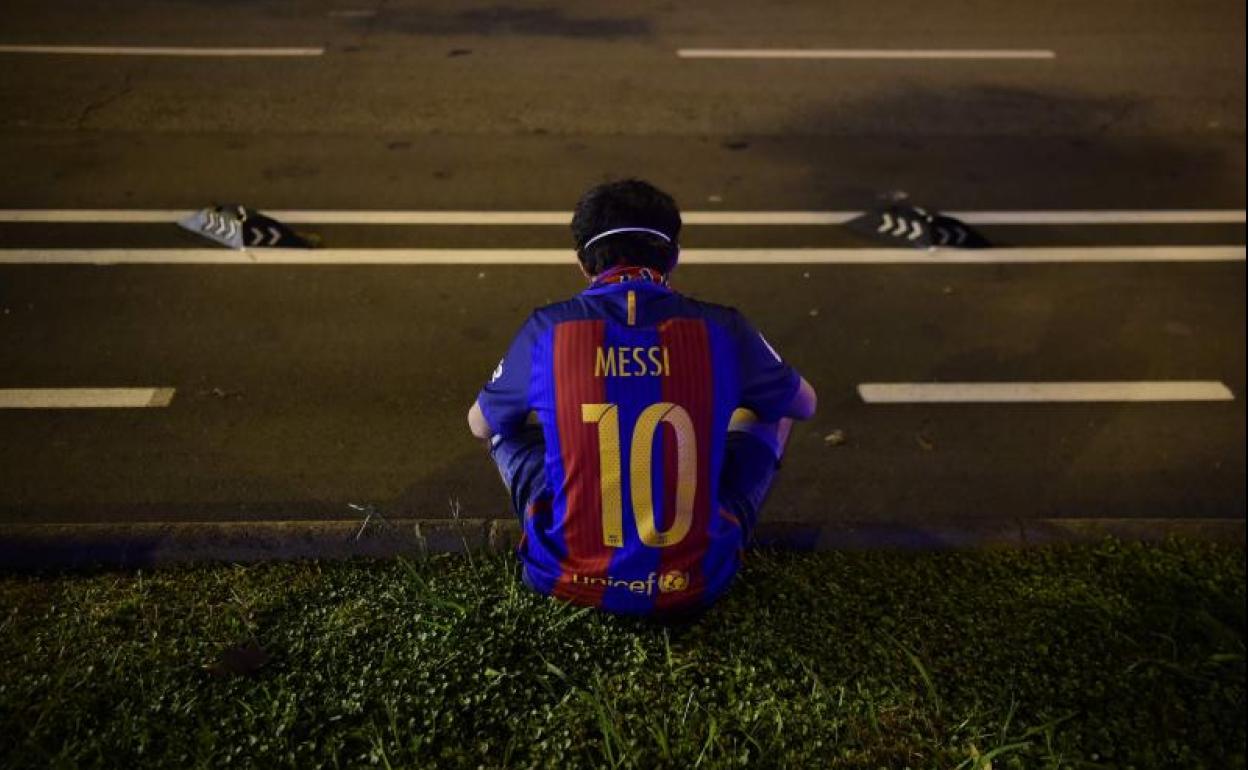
point(301, 389)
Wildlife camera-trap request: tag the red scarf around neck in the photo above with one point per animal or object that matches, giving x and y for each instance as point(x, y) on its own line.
point(626, 273)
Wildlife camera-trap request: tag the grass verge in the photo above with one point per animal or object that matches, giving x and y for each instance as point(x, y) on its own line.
point(1119, 654)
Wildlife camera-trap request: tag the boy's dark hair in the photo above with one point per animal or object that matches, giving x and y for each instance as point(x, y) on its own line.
point(626, 203)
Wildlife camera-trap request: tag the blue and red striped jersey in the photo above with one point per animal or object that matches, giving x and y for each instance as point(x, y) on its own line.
point(634, 384)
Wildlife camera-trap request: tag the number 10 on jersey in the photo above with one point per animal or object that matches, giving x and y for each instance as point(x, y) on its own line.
point(641, 455)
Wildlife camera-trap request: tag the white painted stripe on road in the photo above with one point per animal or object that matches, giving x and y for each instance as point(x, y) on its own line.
point(1125, 217)
point(562, 218)
point(944, 256)
point(111, 50)
point(1018, 392)
point(93, 216)
point(1054, 217)
point(222, 256)
point(84, 398)
point(862, 53)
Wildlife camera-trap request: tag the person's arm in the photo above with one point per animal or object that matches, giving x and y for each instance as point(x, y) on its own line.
point(477, 422)
point(770, 388)
point(502, 406)
point(802, 407)
point(804, 402)
point(776, 434)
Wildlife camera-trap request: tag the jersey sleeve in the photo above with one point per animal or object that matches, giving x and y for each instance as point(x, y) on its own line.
point(505, 398)
point(768, 384)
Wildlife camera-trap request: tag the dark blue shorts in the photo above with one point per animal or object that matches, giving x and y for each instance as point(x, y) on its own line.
point(748, 471)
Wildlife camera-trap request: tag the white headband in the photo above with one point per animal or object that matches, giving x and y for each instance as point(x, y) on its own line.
point(602, 235)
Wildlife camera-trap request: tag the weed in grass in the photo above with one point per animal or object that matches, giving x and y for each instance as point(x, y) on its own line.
point(928, 684)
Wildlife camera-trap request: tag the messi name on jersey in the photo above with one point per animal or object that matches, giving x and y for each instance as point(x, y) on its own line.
point(632, 362)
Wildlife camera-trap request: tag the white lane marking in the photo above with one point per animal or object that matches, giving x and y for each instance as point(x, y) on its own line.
point(93, 216)
point(1125, 217)
point(945, 256)
point(1017, 392)
point(111, 50)
point(862, 53)
point(1029, 255)
point(562, 218)
point(84, 398)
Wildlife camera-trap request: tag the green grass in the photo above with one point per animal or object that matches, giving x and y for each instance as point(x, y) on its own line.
point(1115, 655)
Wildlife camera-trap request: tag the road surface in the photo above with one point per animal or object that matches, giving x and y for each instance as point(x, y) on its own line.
point(298, 389)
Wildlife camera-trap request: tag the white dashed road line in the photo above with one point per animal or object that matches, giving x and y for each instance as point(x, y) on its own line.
point(860, 53)
point(114, 50)
point(224, 256)
point(1017, 392)
point(85, 398)
point(562, 218)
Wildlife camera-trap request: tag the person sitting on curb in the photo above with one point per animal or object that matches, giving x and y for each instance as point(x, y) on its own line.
point(637, 430)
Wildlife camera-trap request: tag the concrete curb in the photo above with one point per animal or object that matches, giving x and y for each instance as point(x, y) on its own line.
point(39, 546)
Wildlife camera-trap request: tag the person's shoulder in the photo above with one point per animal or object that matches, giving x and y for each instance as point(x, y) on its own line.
point(717, 313)
point(545, 317)
point(570, 309)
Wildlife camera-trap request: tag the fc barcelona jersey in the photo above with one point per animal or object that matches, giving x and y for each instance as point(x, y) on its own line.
point(634, 384)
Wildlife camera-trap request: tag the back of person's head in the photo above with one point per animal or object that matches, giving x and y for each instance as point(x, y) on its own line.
point(629, 222)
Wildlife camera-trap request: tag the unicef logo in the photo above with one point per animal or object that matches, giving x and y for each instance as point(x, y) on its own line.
point(673, 581)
